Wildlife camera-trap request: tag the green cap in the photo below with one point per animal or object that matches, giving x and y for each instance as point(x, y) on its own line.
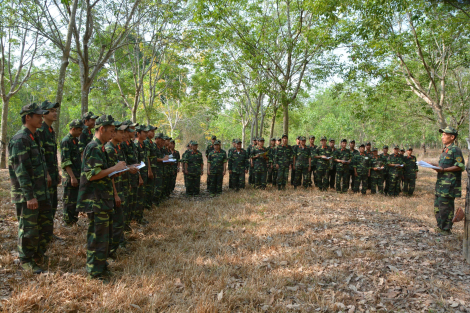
point(449, 130)
point(117, 123)
point(396, 147)
point(160, 136)
point(77, 124)
point(312, 137)
point(217, 142)
point(166, 137)
point(332, 140)
point(32, 108)
point(302, 138)
point(238, 141)
point(214, 137)
point(410, 148)
point(130, 123)
point(46, 105)
point(344, 140)
point(362, 145)
point(260, 138)
point(89, 115)
point(104, 120)
point(273, 139)
point(368, 143)
point(194, 143)
point(322, 138)
point(352, 141)
point(284, 135)
point(385, 147)
point(374, 149)
point(150, 127)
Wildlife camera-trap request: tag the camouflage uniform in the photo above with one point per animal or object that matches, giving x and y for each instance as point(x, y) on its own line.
point(166, 174)
point(260, 159)
point(27, 169)
point(394, 174)
point(229, 153)
point(95, 197)
point(251, 176)
point(141, 200)
point(216, 160)
point(238, 164)
point(150, 187)
point(448, 184)
point(86, 135)
point(377, 177)
point(158, 192)
point(129, 180)
point(384, 159)
point(182, 164)
point(292, 171)
point(332, 170)
point(352, 176)
point(361, 163)
point(313, 150)
point(283, 159)
point(174, 169)
point(272, 155)
point(269, 179)
point(342, 170)
point(410, 170)
point(193, 161)
point(209, 149)
point(302, 163)
point(323, 167)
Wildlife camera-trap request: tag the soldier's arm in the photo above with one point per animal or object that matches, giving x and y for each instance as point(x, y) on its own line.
point(21, 165)
point(93, 166)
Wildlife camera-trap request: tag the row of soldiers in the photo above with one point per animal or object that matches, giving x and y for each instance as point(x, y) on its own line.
point(113, 176)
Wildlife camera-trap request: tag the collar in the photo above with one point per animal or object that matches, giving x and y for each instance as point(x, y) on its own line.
point(363, 154)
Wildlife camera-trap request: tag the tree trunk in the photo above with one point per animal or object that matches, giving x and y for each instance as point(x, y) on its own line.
point(243, 135)
point(273, 123)
point(85, 100)
point(3, 134)
point(285, 105)
point(134, 115)
point(252, 129)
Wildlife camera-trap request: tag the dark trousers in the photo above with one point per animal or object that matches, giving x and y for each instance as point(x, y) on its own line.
point(269, 179)
point(149, 189)
point(444, 212)
point(216, 181)
point(158, 189)
point(409, 184)
point(70, 203)
point(321, 179)
point(194, 184)
point(282, 176)
point(393, 184)
point(238, 180)
point(138, 214)
point(251, 176)
point(260, 179)
point(351, 179)
point(376, 183)
point(53, 198)
point(301, 176)
point(292, 177)
point(361, 179)
point(99, 238)
point(118, 223)
point(332, 178)
point(342, 180)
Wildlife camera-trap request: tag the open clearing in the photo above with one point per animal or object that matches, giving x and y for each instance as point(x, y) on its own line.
point(256, 251)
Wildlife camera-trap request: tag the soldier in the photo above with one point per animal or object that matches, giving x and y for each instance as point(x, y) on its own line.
point(353, 151)
point(194, 169)
point(151, 147)
point(145, 174)
point(29, 192)
point(292, 173)
point(283, 162)
point(251, 176)
point(230, 151)
point(132, 178)
point(70, 161)
point(323, 156)
point(49, 144)
point(342, 158)
point(159, 158)
point(209, 149)
point(369, 154)
point(377, 168)
point(384, 158)
point(188, 150)
point(410, 172)
point(166, 169)
point(332, 168)
point(449, 180)
point(216, 167)
point(175, 166)
point(89, 120)
point(313, 148)
point(272, 146)
point(395, 161)
point(238, 165)
point(361, 165)
point(259, 160)
point(401, 171)
point(302, 163)
point(96, 198)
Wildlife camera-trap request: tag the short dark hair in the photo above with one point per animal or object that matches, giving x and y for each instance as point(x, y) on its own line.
point(23, 118)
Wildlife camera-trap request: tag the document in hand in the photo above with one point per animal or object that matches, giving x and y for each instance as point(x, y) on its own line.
point(427, 165)
point(142, 164)
point(169, 160)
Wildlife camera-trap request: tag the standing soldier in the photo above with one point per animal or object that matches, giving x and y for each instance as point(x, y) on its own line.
point(302, 163)
point(361, 165)
point(283, 161)
point(352, 175)
point(238, 165)
point(449, 180)
point(230, 151)
point(29, 192)
point(194, 168)
point(271, 160)
point(89, 120)
point(342, 158)
point(259, 162)
point(188, 150)
point(313, 148)
point(209, 149)
point(332, 167)
point(151, 147)
point(292, 172)
point(95, 197)
point(369, 154)
point(395, 161)
point(159, 158)
point(49, 145)
point(384, 159)
point(166, 168)
point(410, 173)
point(272, 145)
point(175, 166)
point(216, 163)
point(377, 167)
point(131, 179)
point(71, 163)
point(145, 173)
point(323, 156)
point(251, 176)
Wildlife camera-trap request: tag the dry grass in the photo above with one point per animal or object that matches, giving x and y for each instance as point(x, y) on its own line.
point(253, 251)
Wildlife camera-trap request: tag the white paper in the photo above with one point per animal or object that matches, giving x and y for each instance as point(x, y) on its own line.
point(142, 164)
point(169, 160)
point(427, 165)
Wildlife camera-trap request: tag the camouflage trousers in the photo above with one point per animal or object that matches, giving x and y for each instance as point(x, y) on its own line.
point(238, 180)
point(332, 178)
point(149, 189)
point(409, 184)
point(53, 199)
point(301, 176)
point(361, 179)
point(193, 184)
point(385, 180)
point(70, 204)
point(274, 182)
point(342, 180)
point(209, 182)
point(230, 181)
point(376, 183)
point(260, 178)
point(444, 211)
point(99, 240)
point(282, 176)
point(311, 176)
point(251, 176)
point(165, 185)
point(393, 184)
point(132, 197)
point(35, 229)
point(173, 177)
point(158, 189)
point(118, 223)
point(269, 177)
point(216, 180)
point(321, 179)
point(138, 213)
point(292, 177)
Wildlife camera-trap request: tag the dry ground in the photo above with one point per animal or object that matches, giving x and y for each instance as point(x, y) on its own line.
point(256, 251)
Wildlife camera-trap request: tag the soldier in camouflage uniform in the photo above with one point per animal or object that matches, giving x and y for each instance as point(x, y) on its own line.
point(194, 168)
point(188, 150)
point(209, 149)
point(151, 147)
point(29, 192)
point(361, 165)
point(175, 166)
point(128, 148)
point(384, 158)
point(283, 161)
point(159, 158)
point(394, 163)
point(166, 169)
point(342, 158)
point(229, 153)
point(71, 163)
point(323, 156)
point(238, 166)
point(332, 168)
point(49, 145)
point(302, 163)
point(272, 146)
point(353, 151)
point(410, 173)
point(377, 167)
point(96, 198)
point(449, 180)
point(369, 154)
point(313, 149)
point(292, 172)
point(216, 167)
point(89, 120)
point(145, 172)
point(259, 160)
point(249, 150)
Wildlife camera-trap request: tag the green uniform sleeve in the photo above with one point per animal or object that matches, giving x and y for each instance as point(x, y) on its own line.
point(65, 157)
point(21, 164)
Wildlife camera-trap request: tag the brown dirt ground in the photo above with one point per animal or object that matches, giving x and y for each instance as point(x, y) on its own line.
point(256, 251)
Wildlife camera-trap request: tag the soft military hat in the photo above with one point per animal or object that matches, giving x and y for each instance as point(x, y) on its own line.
point(375, 149)
point(150, 127)
point(449, 130)
point(312, 137)
point(130, 123)
point(77, 124)
point(368, 143)
point(255, 138)
point(89, 115)
point(234, 140)
point(302, 138)
point(396, 147)
point(332, 140)
point(32, 108)
point(214, 137)
point(165, 137)
point(46, 105)
point(160, 136)
point(261, 139)
point(402, 149)
point(344, 140)
point(298, 137)
point(122, 127)
point(362, 145)
point(410, 148)
point(322, 138)
point(172, 141)
point(279, 139)
point(188, 145)
point(238, 141)
point(129, 129)
point(217, 142)
point(284, 135)
point(104, 120)
point(117, 123)
point(273, 139)
point(352, 141)
point(194, 143)
point(385, 147)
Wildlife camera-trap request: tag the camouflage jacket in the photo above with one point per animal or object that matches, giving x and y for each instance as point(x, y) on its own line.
point(49, 146)
point(27, 168)
point(238, 161)
point(122, 156)
point(230, 151)
point(284, 156)
point(313, 151)
point(323, 164)
point(259, 157)
point(70, 156)
point(130, 152)
point(115, 154)
point(376, 162)
point(174, 165)
point(384, 159)
point(209, 149)
point(151, 151)
point(344, 155)
point(361, 162)
point(271, 154)
point(142, 156)
point(301, 157)
point(184, 156)
point(410, 165)
point(166, 165)
point(394, 159)
point(449, 184)
point(217, 160)
point(159, 154)
point(194, 161)
point(84, 139)
point(95, 195)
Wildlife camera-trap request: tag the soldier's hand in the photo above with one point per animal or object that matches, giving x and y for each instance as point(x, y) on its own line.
point(117, 200)
point(49, 180)
point(150, 174)
point(120, 166)
point(32, 204)
point(439, 170)
point(277, 166)
point(74, 182)
point(141, 181)
point(166, 157)
point(133, 169)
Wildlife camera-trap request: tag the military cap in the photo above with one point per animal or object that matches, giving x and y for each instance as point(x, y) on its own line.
point(410, 148)
point(302, 138)
point(449, 130)
point(117, 123)
point(122, 127)
point(255, 138)
point(312, 137)
point(279, 139)
point(32, 108)
point(322, 138)
point(214, 137)
point(138, 128)
point(130, 123)
point(234, 140)
point(77, 124)
point(298, 137)
point(284, 135)
point(150, 127)
point(188, 145)
point(331, 139)
point(402, 149)
point(238, 141)
point(194, 143)
point(368, 143)
point(396, 147)
point(104, 120)
point(362, 145)
point(375, 149)
point(273, 139)
point(260, 138)
point(166, 137)
point(89, 115)
point(352, 141)
point(385, 147)
point(172, 141)
point(217, 142)
point(46, 105)
point(169, 138)
point(129, 129)
point(160, 136)
point(344, 140)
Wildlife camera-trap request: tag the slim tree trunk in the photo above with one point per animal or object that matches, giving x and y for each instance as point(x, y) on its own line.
point(3, 134)
point(285, 105)
point(273, 123)
point(84, 99)
point(243, 135)
point(134, 115)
